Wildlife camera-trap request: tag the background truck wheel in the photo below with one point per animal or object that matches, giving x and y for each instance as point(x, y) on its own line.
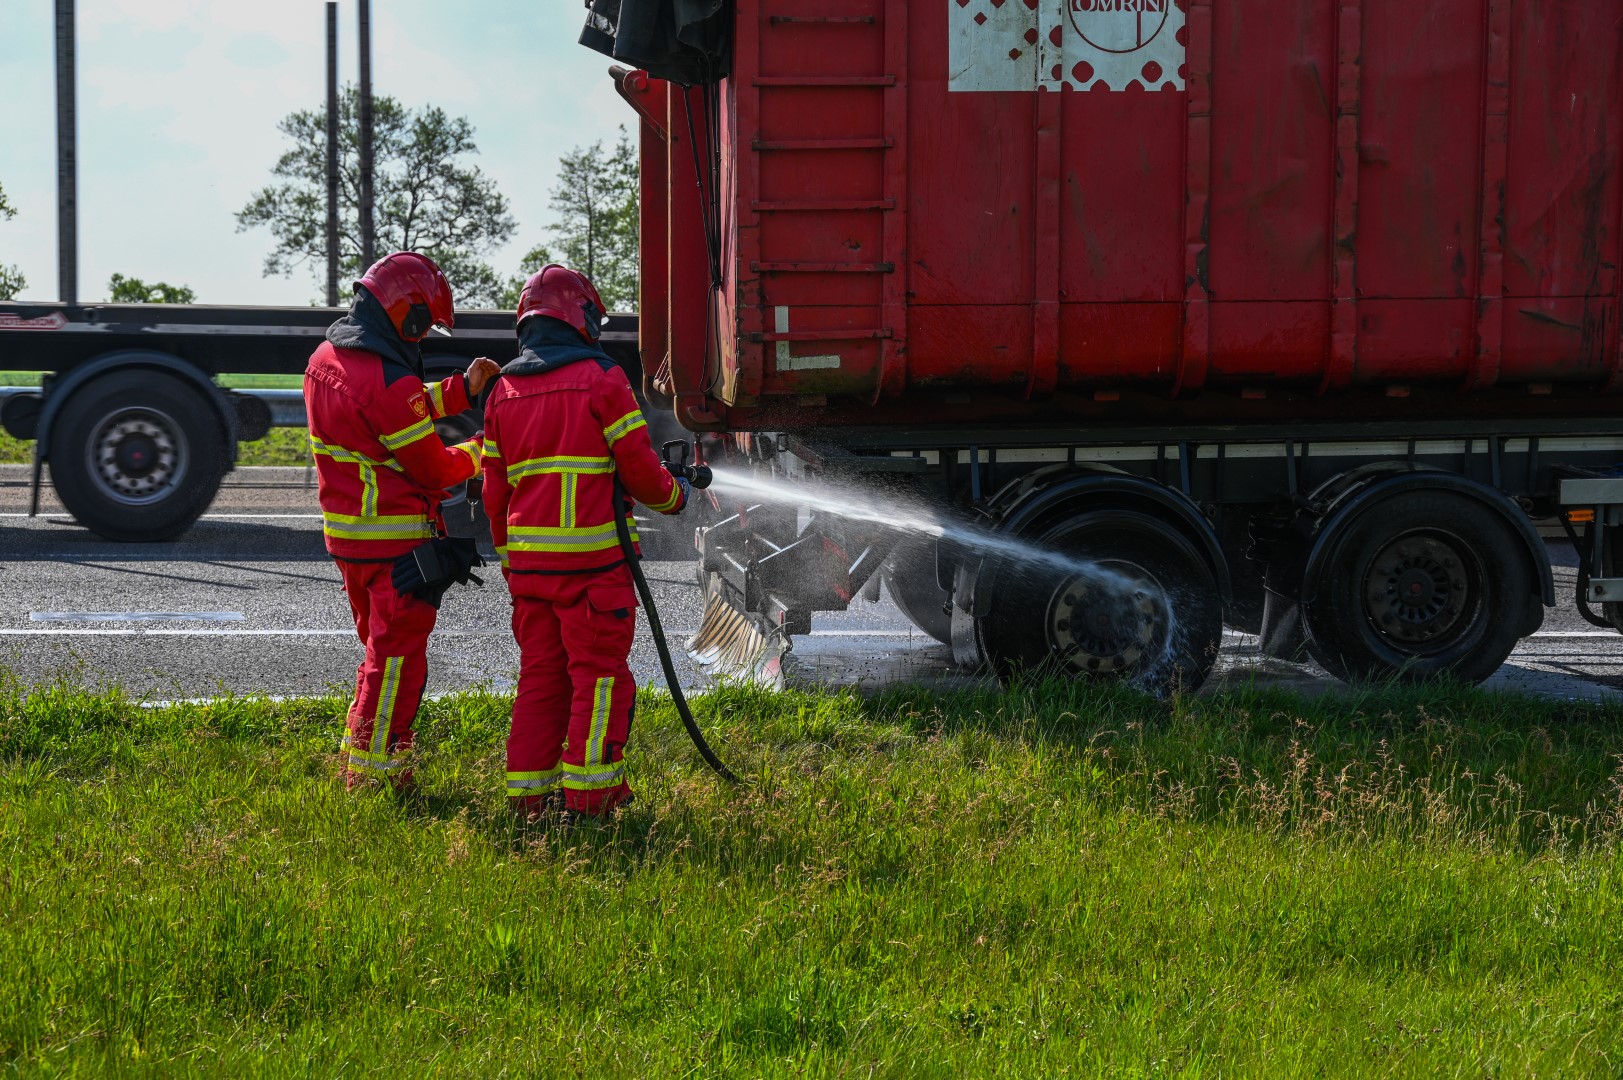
point(137, 455)
point(1141, 604)
point(1420, 585)
point(910, 577)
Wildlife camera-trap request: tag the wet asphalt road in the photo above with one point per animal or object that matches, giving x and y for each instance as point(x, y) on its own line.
point(275, 620)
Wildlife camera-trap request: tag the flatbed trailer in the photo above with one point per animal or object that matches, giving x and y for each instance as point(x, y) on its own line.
point(132, 422)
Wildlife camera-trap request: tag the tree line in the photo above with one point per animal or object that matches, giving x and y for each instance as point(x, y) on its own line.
point(428, 196)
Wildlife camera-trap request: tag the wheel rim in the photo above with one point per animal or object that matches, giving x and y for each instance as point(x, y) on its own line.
point(1421, 592)
point(1112, 622)
point(137, 456)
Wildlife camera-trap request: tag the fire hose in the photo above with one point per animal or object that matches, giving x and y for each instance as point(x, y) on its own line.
point(699, 477)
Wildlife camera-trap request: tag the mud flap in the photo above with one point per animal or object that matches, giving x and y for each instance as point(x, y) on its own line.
point(734, 644)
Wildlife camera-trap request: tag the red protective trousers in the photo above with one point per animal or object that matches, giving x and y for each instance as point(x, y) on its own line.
point(389, 683)
point(576, 693)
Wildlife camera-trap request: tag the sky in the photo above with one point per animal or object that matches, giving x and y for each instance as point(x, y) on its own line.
point(178, 106)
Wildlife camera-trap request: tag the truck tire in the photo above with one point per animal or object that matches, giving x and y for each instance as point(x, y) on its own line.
point(1420, 585)
point(137, 455)
point(1141, 605)
point(910, 578)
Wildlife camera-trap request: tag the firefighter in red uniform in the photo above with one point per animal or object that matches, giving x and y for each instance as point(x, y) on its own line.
point(561, 430)
point(383, 471)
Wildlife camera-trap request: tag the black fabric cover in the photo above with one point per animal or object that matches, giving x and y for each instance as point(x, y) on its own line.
point(428, 570)
point(685, 41)
point(367, 326)
point(549, 344)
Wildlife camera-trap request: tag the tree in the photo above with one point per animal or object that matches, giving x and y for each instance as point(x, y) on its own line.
point(596, 200)
point(425, 198)
point(533, 260)
point(123, 290)
point(12, 280)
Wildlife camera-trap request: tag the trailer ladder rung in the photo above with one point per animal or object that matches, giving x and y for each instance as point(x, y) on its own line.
point(821, 335)
point(823, 268)
point(824, 144)
point(825, 20)
point(823, 204)
point(826, 80)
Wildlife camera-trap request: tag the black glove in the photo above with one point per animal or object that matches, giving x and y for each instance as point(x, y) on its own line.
point(427, 570)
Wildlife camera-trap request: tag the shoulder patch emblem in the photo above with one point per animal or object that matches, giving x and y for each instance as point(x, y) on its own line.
point(419, 405)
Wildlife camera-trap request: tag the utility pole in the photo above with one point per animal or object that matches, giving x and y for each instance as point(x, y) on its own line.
point(332, 153)
point(369, 244)
point(67, 159)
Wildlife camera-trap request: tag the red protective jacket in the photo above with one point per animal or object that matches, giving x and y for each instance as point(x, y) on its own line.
point(381, 467)
point(554, 442)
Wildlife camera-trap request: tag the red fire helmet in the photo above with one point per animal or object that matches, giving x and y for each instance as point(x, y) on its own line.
point(413, 291)
point(563, 294)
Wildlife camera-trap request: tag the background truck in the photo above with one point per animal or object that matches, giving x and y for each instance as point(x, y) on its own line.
point(1303, 313)
point(132, 423)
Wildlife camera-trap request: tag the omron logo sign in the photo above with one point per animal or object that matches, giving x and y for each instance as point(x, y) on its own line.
point(1119, 26)
point(1008, 45)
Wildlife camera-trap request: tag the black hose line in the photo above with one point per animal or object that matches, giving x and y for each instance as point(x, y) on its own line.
point(634, 560)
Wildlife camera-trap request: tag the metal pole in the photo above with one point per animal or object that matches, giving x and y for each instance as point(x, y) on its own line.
point(67, 162)
point(369, 250)
point(332, 153)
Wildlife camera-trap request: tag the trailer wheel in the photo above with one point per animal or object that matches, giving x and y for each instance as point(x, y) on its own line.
point(1133, 600)
point(1421, 585)
point(137, 455)
point(910, 577)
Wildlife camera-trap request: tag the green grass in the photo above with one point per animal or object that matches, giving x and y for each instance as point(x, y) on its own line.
point(283, 446)
point(1040, 882)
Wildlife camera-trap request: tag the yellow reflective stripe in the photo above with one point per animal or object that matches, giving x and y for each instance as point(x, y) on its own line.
point(491, 449)
point(436, 398)
point(669, 504)
point(593, 777)
point(422, 429)
point(584, 466)
point(369, 489)
point(566, 513)
point(624, 426)
point(599, 730)
point(546, 538)
point(473, 450)
point(501, 552)
point(521, 784)
point(389, 692)
point(338, 453)
point(387, 527)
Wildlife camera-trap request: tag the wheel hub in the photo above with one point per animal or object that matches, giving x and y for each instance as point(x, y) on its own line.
point(1106, 623)
point(1416, 589)
point(135, 456)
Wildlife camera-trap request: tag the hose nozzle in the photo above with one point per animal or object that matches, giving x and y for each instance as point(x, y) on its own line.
point(674, 456)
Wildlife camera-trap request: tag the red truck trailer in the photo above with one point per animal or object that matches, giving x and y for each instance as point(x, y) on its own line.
point(1305, 311)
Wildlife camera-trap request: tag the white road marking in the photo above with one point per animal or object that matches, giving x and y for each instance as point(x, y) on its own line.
point(135, 616)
